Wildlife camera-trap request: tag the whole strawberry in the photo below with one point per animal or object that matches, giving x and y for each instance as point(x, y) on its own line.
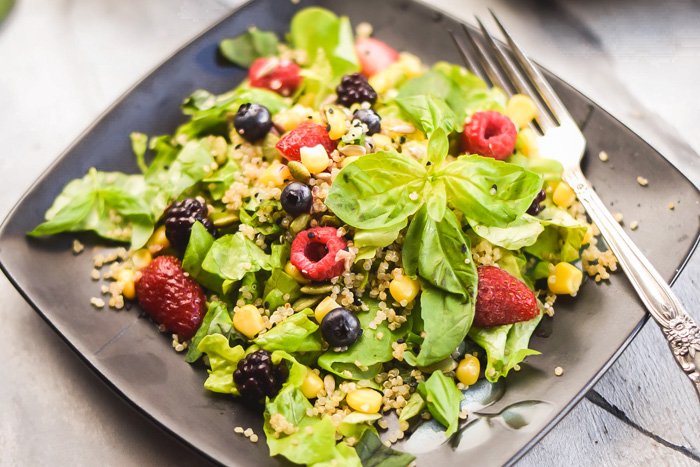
point(502, 299)
point(170, 297)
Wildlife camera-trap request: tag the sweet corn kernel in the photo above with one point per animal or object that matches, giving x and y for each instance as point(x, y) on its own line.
point(563, 195)
point(468, 370)
point(410, 64)
point(312, 384)
point(566, 279)
point(248, 321)
point(315, 158)
point(141, 258)
point(382, 142)
point(388, 78)
point(291, 118)
point(404, 289)
point(521, 109)
point(527, 142)
point(323, 308)
point(158, 241)
point(275, 175)
point(336, 121)
point(126, 279)
point(364, 400)
point(295, 273)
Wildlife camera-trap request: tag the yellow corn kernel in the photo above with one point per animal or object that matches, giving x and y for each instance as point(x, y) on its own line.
point(527, 142)
point(141, 258)
point(382, 142)
point(248, 321)
point(336, 121)
point(312, 384)
point(158, 241)
point(588, 236)
point(521, 109)
point(388, 78)
point(295, 273)
point(468, 370)
point(315, 158)
point(563, 195)
point(404, 289)
point(125, 278)
point(411, 65)
point(275, 175)
point(291, 118)
point(565, 280)
point(323, 308)
point(364, 400)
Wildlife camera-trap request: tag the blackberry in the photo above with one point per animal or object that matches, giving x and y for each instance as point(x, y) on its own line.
point(536, 205)
point(256, 376)
point(355, 88)
point(179, 219)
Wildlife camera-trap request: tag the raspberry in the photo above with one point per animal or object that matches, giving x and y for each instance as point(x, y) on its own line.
point(355, 88)
point(374, 55)
point(502, 299)
point(179, 219)
point(489, 134)
point(256, 376)
point(314, 252)
point(305, 135)
point(279, 75)
point(170, 297)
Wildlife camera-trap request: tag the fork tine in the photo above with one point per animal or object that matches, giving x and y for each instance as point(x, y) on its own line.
point(538, 80)
point(519, 83)
point(473, 66)
point(486, 63)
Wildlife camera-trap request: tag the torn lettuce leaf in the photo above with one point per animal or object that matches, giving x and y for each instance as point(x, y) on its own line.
point(223, 360)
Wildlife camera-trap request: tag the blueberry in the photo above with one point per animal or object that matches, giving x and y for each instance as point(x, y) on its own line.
point(536, 205)
point(252, 121)
point(340, 327)
point(370, 118)
point(296, 198)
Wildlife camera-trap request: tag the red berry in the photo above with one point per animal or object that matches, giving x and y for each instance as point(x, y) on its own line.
point(490, 134)
point(314, 253)
point(170, 297)
point(308, 135)
point(279, 75)
point(502, 299)
point(374, 55)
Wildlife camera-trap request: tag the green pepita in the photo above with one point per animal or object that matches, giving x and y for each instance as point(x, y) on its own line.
point(306, 302)
point(317, 289)
point(299, 223)
point(299, 171)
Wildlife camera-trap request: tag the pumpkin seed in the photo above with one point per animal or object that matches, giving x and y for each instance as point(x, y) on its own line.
point(306, 302)
point(317, 289)
point(299, 223)
point(299, 171)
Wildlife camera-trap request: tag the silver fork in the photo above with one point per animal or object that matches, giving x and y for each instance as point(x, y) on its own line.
point(561, 139)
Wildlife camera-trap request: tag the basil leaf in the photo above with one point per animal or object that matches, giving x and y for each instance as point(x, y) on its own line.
point(437, 253)
point(414, 406)
point(518, 234)
point(233, 256)
point(505, 346)
point(561, 239)
point(223, 361)
point(368, 241)
point(216, 321)
point(428, 113)
point(317, 29)
point(442, 399)
point(280, 288)
point(373, 453)
point(198, 246)
point(446, 321)
point(295, 334)
point(378, 190)
point(488, 191)
point(244, 49)
point(437, 200)
point(438, 146)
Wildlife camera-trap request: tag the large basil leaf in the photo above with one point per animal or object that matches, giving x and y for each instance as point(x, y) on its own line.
point(233, 256)
point(428, 113)
point(373, 453)
point(490, 192)
point(439, 253)
point(378, 190)
point(245, 48)
point(442, 399)
point(446, 320)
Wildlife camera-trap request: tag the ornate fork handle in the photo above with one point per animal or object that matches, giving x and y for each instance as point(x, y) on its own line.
point(681, 331)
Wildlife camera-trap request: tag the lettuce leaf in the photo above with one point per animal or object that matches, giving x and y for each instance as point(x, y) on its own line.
point(520, 233)
point(373, 453)
point(216, 321)
point(245, 48)
point(442, 399)
point(233, 256)
point(295, 334)
point(222, 362)
point(198, 246)
point(561, 239)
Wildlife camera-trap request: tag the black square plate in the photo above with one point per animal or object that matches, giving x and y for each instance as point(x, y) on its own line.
point(137, 361)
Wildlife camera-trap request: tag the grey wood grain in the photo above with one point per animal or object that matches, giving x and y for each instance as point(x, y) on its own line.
point(67, 60)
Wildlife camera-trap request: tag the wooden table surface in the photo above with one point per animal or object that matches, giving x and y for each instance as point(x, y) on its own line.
point(62, 62)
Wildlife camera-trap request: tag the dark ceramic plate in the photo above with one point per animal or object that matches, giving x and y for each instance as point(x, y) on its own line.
point(137, 361)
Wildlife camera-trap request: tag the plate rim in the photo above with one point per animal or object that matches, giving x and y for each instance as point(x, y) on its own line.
point(536, 438)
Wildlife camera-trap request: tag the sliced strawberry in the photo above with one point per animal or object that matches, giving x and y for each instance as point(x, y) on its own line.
point(308, 135)
point(502, 299)
point(374, 55)
point(314, 253)
point(279, 75)
point(170, 297)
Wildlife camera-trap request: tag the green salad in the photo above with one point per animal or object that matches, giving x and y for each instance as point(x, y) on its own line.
point(347, 240)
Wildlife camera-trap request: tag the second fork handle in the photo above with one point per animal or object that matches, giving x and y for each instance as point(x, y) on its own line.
point(681, 331)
